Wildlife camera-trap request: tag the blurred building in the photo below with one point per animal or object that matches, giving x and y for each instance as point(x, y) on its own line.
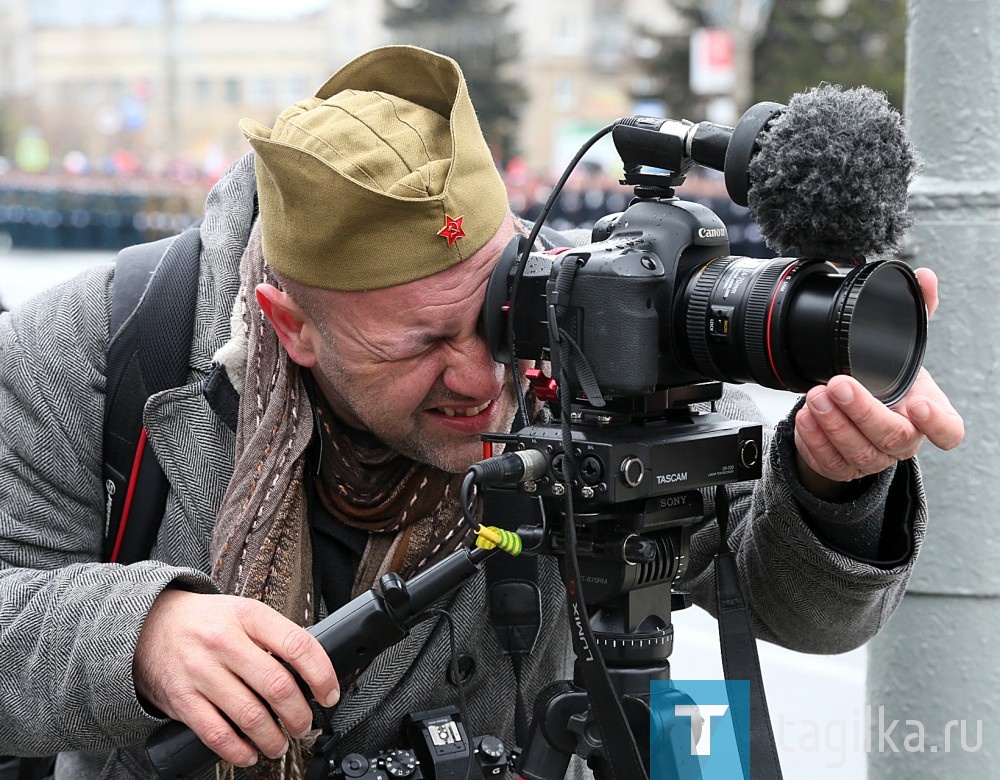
point(149, 82)
point(161, 84)
point(579, 65)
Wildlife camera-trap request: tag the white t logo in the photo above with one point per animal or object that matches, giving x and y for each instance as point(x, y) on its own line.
point(704, 713)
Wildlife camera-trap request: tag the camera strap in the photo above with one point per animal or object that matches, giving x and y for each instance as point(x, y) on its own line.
point(739, 657)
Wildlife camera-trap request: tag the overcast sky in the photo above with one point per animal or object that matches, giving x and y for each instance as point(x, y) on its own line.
point(248, 8)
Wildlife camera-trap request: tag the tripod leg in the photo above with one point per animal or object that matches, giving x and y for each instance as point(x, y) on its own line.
point(550, 744)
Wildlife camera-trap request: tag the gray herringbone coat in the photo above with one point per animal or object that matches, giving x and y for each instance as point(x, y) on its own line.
point(69, 624)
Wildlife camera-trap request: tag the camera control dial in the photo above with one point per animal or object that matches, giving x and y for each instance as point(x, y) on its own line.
point(400, 763)
point(492, 747)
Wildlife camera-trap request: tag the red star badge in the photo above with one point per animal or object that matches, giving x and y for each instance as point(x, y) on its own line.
point(452, 229)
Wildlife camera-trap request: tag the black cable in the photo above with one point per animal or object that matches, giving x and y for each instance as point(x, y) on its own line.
point(465, 500)
point(614, 726)
point(463, 709)
point(522, 404)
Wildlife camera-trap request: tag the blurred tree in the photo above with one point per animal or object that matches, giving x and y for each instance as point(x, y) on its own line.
point(4, 129)
point(667, 63)
point(477, 34)
point(806, 42)
point(848, 42)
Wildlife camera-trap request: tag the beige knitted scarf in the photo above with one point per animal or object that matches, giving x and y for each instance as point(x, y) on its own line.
point(261, 546)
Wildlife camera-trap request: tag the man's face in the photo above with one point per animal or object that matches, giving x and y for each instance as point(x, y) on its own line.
point(409, 363)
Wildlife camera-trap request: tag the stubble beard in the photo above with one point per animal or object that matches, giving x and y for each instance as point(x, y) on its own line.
point(417, 443)
point(454, 457)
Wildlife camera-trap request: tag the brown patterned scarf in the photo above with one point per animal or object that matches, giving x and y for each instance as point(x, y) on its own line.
point(261, 546)
point(411, 509)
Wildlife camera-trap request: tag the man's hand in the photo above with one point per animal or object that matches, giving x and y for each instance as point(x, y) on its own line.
point(843, 433)
point(201, 654)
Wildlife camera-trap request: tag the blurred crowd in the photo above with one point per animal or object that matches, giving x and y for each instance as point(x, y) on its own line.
point(59, 211)
point(62, 211)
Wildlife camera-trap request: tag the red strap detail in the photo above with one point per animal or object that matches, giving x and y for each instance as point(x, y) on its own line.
point(133, 477)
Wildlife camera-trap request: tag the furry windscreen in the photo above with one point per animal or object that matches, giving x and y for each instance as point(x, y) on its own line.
point(831, 176)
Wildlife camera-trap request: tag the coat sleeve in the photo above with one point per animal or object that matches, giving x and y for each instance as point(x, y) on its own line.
point(803, 593)
point(68, 623)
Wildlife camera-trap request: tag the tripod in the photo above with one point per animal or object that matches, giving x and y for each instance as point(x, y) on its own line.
point(632, 536)
point(564, 720)
point(626, 580)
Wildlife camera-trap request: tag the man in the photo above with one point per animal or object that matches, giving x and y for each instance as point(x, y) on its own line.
point(343, 322)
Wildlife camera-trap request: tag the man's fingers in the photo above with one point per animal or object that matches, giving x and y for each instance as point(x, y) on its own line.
point(816, 449)
point(257, 722)
point(929, 287)
point(215, 731)
point(270, 682)
point(304, 652)
point(942, 425)
point(860, 448)
point(204, 658)
point(931, 412)
point(869, 427)
point(213, 687)
point(293, 644)
point(248, 663)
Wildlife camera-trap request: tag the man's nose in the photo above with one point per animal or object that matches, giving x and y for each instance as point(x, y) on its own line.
point(471, 371)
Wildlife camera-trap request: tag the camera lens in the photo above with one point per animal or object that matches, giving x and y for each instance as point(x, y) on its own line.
point(792, 324)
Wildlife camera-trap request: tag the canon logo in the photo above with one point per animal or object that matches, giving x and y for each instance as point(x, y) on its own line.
point(712, 232)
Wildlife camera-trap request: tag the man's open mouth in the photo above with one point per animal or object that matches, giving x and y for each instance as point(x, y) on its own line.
point(469, 411)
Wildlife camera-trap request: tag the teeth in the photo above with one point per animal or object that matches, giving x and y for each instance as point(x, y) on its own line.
point(469, 412)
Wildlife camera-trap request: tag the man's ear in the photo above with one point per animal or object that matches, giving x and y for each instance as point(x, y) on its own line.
point(295, 330)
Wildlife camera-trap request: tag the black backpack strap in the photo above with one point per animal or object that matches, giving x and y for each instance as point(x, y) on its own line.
point(514, 597)
point(515, 600)
point(149, 346)
point(754, 739)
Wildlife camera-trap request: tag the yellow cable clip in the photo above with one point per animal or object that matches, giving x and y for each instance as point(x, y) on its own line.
point(489, 537)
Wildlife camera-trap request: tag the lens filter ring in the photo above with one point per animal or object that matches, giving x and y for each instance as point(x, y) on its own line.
point(881, 333)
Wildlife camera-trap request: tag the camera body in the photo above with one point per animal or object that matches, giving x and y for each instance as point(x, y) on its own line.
point(625, 294)
point(439, 749)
